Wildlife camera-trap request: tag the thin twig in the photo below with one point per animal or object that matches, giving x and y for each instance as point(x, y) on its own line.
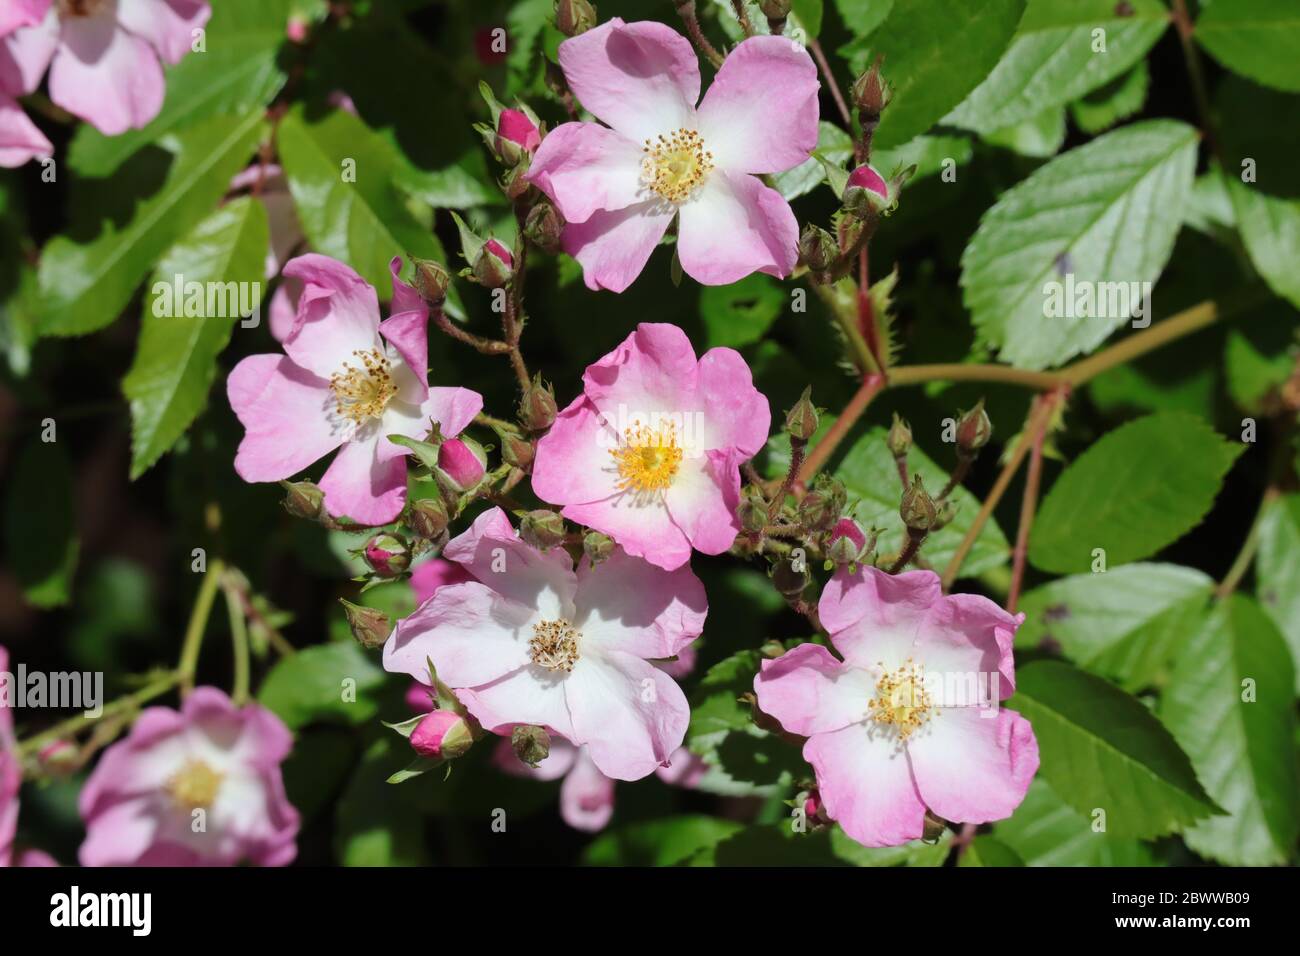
point(686, 10)
point(870, 388)
point(1028, 505)
point(824, 65)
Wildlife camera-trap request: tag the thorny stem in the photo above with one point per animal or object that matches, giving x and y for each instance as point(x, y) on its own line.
point(485, 345)
point(847, 320)
point(797, 449)
point(957, 477)
point(686, 10)
point(914, 541)
point(1038, 416)
point(824, 65)
point(901, 462)
point(743, 16)
point(871, 386)
point(513, 320)
point(1028, 505)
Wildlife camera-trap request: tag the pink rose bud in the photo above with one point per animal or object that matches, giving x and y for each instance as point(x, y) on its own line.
point(847, 542)
point(516, 134)
point(419, 697)
point(296, 29)
point(812, 808)
point(494, 265)
point(459, 462)
point(866, 191)
point(58, 758)
point(443, 735)
point(387, 555)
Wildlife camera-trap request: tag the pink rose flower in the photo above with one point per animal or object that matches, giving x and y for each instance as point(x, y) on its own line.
point(20, 139)
point(11, 773)
point(619, 186)
point(21, 13)
point(428, 577)
point(650, 453)
point(529, 641)
point(587, 795)
point(104, 55)
point(341, 384)
point(141, 804)
point(893, 729)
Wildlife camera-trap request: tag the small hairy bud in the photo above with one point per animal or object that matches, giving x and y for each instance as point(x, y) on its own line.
point(917, 508)
point(537, 408)
point(597, 546)
point(822, 506)
point(428, 517)
point(899, 438)
point(787, 580)
point(432, 280)
point(531, 744)
point(574, 16)
point(494, 266)
point(973, 430)
point(370, 626)
point(801, 420)
point(752, 510)
point(542, 529)
point(818, 249)
point(387, 554)
point(775, 9)
point(302, 499)
point(543, 227)
point(871, 93)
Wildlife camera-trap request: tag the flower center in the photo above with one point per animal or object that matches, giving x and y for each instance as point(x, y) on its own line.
point(675, 164)
point(79, 8)
point(554, 645)
point(195, 785)
point(648, 459)
point(901, 700)
point(364, 392)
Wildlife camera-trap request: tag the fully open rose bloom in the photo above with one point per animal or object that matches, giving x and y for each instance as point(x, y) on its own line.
point(103, 55)
point(909, 719)
point(650, 453)
point(141, 804)
point(620, 186)
point(346, 379)
point(529, 641)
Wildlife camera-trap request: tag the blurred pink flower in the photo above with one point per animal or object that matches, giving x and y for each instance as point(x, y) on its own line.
point(104, 55)
point(889, 730)
point(346, 380)
point(619, 186)
point(142, 803)
point(20, 140)
point(529, 641)
point(650, 453)
point(11, 773)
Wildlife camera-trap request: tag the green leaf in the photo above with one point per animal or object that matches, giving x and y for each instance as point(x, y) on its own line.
point(1277, 569)
point(1230, 703)
point(834, 146)
point(936, 52)
point(1039, 136)
point(771, 844)
point(862, 18)
point(1258, 359)
point(1105, 213)
point(1126, 624)
point(236, 73)
point(1119, 99)
point(176, 357)
point(330, 682)
point(1141, 487)
point(808, 15)
point(871, 477)
point(1055, 59)
point(41, 542)
point(86, 285)
point(1257, 38)
point(915, 853)
point(987, 851)
point(665, 842)
point(1045, 831)
point(363, 223)
point(740, 313)
point(377, 824)
point(1103, 750)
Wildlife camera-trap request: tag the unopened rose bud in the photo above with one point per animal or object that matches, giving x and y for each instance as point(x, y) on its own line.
point(428, 518)
point(775, 9)
point(917, 508)
point(866, 192)
point(973, 430)
point(574, 16)
point(899, 438)
point(531, 744)
point(818, 249)
point(847, 542)
point(58, 759)
point(542, 529)
point(932, 828)
point(388, 555)
point(537, 407)
point(302, 499)
point(516, 136)
point(370, 626)
point(296, 28)
point(597, 547)
point(813, 811)
point(442, 735)
point(752, 510)
point(464, 461)
point(494, 265)
point(516, 450)
point(789, 581)
point(801, 420)
point(432, 280)
point(947, 511)
point(823, 505)
point(543, 227)
point(871, 93)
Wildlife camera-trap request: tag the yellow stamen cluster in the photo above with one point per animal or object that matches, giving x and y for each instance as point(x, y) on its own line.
point(195, 785)
point(79, 8)
point(647, 460)
point(901, 699)
point(364, 392)
point(554, 645)
point(675, 164)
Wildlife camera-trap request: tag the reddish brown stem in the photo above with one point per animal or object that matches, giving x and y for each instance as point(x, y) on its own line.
point(824, 65)
point(1029, 503)
point(870, 388)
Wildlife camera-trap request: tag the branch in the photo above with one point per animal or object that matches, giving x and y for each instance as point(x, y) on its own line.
point(1028, 505)
point(871, 386)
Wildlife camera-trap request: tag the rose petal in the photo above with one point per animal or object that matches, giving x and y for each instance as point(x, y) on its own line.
point(734, 226)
